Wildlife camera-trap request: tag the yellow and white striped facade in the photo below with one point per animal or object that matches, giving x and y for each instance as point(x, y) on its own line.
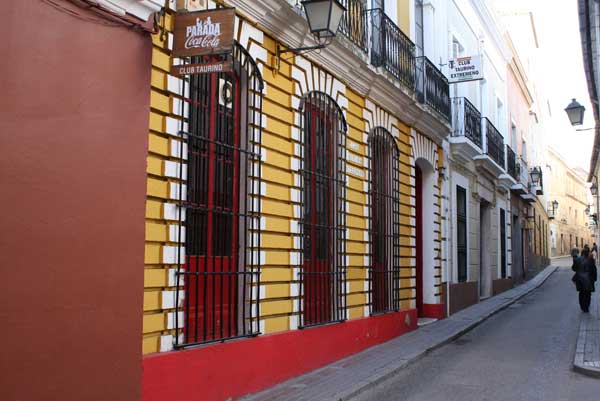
point(363, 110)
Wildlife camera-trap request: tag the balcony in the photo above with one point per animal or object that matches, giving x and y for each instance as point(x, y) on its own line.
point(354, 23)
point(522, 184)
point(527, 194)
point(492, 159)
point(509, 179)
point(466, 139)
point(432, 87)
point(392, 49)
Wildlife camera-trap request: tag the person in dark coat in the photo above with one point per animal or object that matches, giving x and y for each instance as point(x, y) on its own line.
point(585, 276)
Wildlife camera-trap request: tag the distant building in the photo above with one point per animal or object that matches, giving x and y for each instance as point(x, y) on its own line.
point(570, 227)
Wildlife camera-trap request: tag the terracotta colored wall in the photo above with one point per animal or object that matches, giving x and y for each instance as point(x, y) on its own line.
point(73, 143)
point(463, 295)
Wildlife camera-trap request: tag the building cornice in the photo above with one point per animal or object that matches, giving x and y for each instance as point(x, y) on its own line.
point(346, 62)
point(141, 9)
point(491, 26)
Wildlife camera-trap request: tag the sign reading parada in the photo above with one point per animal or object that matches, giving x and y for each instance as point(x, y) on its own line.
point(465, 69)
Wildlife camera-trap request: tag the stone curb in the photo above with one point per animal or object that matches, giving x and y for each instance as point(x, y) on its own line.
point(579, 365)
point(383, 373)
point(531, 285)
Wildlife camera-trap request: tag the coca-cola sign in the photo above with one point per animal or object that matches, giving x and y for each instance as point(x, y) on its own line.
point(203, 32)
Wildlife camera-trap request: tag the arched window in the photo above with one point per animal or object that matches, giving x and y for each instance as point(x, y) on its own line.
point(384, 224)
point(322, 278)
point(217, 221)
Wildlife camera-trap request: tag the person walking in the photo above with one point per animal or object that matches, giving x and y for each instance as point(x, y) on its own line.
point(585, 276)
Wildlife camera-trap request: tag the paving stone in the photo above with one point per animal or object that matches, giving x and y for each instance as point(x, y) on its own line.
point(587, 355)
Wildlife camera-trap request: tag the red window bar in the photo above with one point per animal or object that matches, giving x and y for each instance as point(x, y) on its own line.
point(384, 222)
point(220, 275)
point(323, 275)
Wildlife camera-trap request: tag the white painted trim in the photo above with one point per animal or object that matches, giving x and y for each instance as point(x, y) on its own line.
point(141, 9)
point(166, 343)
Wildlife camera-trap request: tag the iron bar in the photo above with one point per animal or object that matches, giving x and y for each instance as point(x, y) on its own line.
point(494, 143)
point(384, 222)
point(322, 226)
point(466, 120)
point(432, 87)
point(392, 49)
point(223, 148)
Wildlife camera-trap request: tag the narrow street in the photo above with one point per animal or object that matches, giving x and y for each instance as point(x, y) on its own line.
point(523, 353)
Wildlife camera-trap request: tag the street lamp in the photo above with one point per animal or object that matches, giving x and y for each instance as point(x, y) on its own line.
point(323, 17)
point(552, 213)
point(535, 176)
point(594, 189)
point(575, 112)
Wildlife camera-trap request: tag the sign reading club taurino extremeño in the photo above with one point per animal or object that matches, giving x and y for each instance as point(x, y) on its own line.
point(203, 32)
point(465, 69)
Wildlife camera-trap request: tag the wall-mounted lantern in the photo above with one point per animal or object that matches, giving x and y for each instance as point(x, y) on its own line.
point(536, 174)
point(552, 212)
point(323, 17)
point(575, 112)
point(594, 189)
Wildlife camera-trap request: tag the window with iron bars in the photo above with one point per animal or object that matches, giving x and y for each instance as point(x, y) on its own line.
point(220, 211)
point(322, 274)
point(461, 233)
point(384, 224)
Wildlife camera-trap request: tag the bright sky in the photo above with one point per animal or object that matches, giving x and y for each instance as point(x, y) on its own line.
point(557, 24)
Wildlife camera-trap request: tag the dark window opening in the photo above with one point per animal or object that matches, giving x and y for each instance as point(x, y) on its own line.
point(461, 232)
point(502, 243)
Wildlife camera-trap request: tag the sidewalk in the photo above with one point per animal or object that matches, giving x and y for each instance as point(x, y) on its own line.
point(587, 354)
point(349, 377)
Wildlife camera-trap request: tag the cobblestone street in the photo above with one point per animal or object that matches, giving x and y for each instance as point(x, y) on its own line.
point(523, 353)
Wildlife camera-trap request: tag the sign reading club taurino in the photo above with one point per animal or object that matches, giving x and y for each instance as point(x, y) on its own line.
point(204, 32)
point(465, 69)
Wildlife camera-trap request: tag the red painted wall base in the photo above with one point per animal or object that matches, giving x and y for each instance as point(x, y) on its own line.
point(436, 311)
point(233, 369)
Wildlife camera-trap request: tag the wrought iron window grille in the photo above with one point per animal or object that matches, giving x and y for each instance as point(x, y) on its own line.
point(219, 156)
point(384, 222)
point(322, 275)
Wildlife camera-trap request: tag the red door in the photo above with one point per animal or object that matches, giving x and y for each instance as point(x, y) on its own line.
point(419, 233)
point(319, 200)
point(212, 209)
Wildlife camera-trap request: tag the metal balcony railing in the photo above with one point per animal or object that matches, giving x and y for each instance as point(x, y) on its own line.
point(392, 49)
point(523, 173)
point(354, 23)
point(494, 142)
point(511, 163)
point(432, 87)
point(466, 120)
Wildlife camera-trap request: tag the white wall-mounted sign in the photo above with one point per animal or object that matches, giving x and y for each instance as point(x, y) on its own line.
point(465, 69)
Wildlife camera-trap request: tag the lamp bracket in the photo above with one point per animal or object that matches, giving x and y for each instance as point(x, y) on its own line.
point(297, 50)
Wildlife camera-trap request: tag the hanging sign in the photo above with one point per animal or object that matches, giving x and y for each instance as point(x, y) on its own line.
point(203, 32)
point(204, 68)
point(465, 69)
